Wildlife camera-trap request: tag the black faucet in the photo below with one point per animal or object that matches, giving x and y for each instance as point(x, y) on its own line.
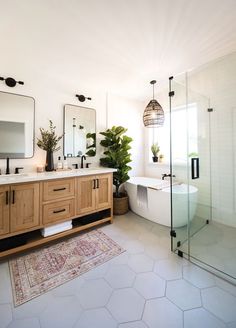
point(82, 161)
point(167, 175)
point(8, 166)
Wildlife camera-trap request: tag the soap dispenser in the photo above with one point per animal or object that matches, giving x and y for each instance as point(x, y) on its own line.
point(65, 164)
point(59, 163)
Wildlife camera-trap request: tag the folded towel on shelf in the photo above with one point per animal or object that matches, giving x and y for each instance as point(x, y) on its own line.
point(142, 196)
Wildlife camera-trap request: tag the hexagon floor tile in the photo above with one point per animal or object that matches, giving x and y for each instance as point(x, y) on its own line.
point(183, 294)
point(25, 323)
point(94, 293)
point(168, 269)
point(198, 277)
point(149, 285)
point(32, 308)
point(120, 276)
point(62, 312)
point(99, 318)
point(162, 313)
point(200, 318)
point(5, 315)
point(220, 303)
point(141, 263)
point(126, 305)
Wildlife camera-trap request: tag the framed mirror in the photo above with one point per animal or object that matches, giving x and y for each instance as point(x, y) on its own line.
point(17, 120)
point(79, 131)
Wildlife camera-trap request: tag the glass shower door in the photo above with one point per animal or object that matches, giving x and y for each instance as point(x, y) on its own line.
point(190, 166)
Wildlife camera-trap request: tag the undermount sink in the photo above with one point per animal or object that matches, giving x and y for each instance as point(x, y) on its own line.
point(6, 177)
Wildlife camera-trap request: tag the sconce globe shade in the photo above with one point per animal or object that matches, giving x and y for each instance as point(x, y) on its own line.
point(153, 115)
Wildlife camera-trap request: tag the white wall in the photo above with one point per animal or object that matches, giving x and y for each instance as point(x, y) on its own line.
point(52, 93)
point(128, 113)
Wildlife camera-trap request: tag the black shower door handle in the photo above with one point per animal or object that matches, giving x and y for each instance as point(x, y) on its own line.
point(195, 167)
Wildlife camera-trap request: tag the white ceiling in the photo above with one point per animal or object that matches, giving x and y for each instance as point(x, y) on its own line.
point(116, 44)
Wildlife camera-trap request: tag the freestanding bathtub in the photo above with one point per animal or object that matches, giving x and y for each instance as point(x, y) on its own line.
point(158, 201)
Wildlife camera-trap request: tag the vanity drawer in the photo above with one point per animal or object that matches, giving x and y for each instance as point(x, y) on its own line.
point(53, 190)
point(58, 211)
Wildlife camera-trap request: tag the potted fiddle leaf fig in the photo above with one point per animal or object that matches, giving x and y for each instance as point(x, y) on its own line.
point(155, 150)
point(117, 155)
point(48, 142)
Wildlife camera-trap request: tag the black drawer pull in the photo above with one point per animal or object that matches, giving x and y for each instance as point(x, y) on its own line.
point(97, 183)
point(59, 189)
point(59, 211)
point(94, 183)
point(13, 196)
point(7, 197)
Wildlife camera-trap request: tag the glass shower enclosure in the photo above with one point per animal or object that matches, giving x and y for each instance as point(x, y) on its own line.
point(203, 198)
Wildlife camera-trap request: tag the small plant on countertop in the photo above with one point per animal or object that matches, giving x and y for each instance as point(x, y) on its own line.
point(48, 142)
point(49, 139)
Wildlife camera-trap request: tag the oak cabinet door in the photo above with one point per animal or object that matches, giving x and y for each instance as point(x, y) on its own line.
point(24, 207)
point(86, 198)
point(4, 210)
point(104, 191)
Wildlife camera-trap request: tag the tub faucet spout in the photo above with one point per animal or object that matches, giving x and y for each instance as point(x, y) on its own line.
point(167, 175)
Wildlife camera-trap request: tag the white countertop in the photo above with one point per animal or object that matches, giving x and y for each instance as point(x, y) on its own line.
point(31, 177)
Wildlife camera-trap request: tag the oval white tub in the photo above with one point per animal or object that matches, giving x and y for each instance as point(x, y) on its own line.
point(158, 201)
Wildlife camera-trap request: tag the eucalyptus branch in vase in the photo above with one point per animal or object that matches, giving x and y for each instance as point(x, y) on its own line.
point(48, 142)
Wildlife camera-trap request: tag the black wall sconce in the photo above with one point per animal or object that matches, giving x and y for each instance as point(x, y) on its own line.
point(10, 82)
point(82, 98)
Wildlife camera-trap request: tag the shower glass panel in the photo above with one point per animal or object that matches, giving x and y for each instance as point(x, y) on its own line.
point(215, 243)
point(190, 137)
point(179, 165)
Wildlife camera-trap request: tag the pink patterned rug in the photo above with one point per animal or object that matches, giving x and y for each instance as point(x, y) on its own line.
point(43, 269)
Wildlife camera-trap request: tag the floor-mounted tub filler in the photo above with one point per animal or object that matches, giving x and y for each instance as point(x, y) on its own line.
point(155, 204)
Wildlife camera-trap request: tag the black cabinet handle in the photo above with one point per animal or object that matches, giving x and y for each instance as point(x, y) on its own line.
point(94, 183)
point(59, 211)
point(7, 197)
point(59, 189)
point(97, 183)
point(13, 196)
point(195, 168)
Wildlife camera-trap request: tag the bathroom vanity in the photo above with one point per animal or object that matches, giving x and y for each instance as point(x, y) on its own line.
point(31, 202)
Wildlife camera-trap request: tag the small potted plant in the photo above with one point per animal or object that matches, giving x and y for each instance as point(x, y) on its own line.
point(48, 142)
point(155, 150)
point(117, 156)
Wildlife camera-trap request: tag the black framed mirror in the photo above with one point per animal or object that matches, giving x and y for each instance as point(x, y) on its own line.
point(17, 125)
point(79, 131)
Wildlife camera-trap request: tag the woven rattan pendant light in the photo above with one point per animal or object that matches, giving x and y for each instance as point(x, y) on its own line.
point(153, 115)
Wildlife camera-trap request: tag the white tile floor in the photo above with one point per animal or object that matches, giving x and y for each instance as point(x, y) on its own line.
point(145, 287)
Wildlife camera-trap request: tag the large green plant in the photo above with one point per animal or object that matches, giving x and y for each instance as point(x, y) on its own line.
point(117, 146)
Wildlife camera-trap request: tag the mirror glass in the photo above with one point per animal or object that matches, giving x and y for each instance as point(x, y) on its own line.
point(16, 126)
point(79, 131)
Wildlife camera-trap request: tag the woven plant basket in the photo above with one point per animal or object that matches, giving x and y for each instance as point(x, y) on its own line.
point(120, 205)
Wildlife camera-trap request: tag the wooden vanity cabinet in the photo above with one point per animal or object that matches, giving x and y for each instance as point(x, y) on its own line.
point(24, 206)
point(94, 193)
point(27, 207)
point(19, 208)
